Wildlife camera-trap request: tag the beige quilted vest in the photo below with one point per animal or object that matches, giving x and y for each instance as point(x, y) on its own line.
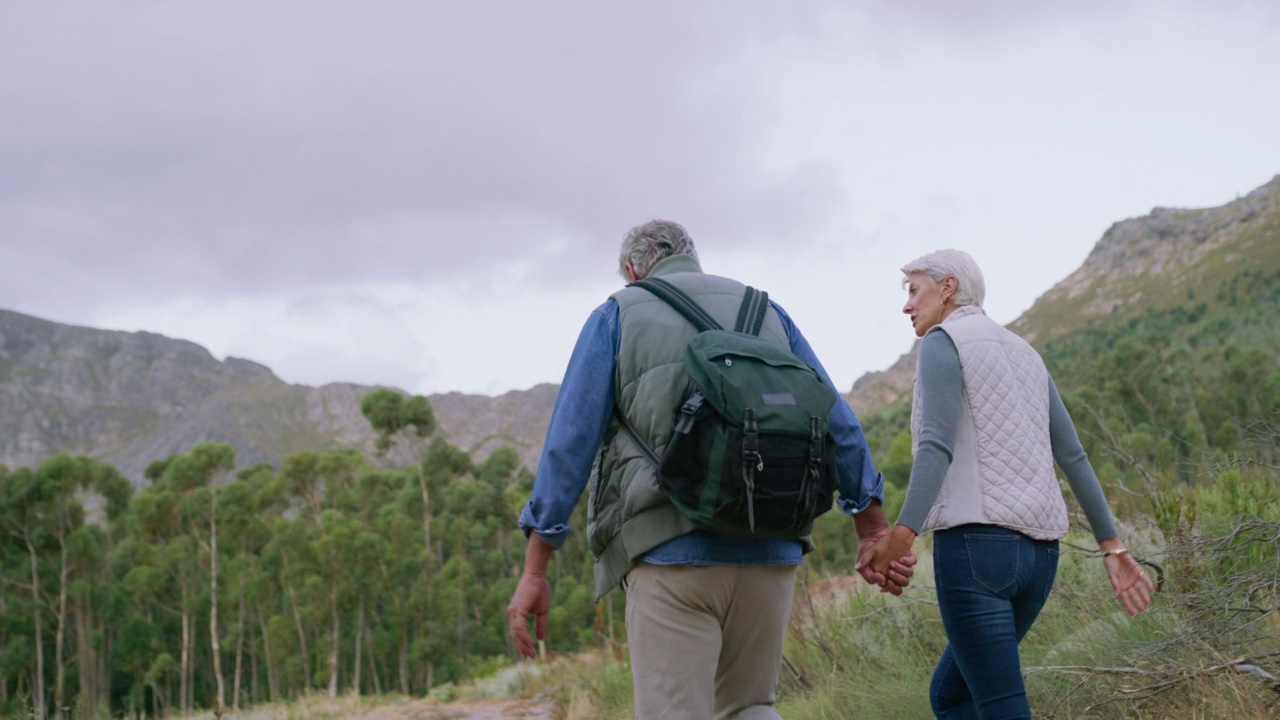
point(1002, 469)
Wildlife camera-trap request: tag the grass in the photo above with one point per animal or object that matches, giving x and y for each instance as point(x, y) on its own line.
point(872, 655)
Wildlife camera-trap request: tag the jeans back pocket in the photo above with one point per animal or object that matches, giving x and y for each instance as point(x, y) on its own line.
point(993, 559)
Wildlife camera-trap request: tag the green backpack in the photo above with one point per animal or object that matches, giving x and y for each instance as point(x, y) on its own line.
point(751, 453)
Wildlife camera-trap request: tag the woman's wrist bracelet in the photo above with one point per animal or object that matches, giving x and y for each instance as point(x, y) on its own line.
point(1112, 553)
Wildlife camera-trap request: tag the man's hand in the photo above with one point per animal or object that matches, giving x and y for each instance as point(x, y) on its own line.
point(898, 573)
point(871, 526)
point(888, 555)
point(532, 597)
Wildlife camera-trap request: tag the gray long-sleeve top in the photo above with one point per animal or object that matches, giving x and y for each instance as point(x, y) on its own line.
point(942, 392)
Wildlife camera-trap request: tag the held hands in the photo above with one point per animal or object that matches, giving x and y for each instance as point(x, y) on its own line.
point(885, 559)
point(872, 527)
point(1133, 587)
point(532, 597)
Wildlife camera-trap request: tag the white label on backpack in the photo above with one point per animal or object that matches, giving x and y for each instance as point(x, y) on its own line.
point(779, 399)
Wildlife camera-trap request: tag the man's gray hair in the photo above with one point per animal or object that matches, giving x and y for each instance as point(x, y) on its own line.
point(971, 288)
point(646, 244)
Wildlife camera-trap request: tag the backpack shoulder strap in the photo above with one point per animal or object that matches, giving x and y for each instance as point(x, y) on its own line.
point(751, 312)
point(676, 298)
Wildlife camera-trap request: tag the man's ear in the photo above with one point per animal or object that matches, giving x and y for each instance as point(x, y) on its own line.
point(631, 272)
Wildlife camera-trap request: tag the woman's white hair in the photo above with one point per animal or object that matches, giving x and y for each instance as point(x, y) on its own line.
point(646, 244)
point(971, 288)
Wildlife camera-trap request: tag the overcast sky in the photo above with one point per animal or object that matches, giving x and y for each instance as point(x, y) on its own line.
point(431, 195)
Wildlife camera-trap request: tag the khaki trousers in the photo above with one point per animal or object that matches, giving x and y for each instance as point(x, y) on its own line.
point(706, 640)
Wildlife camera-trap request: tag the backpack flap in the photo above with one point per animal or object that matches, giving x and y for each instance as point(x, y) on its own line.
point(737, 371)
point(751, 454)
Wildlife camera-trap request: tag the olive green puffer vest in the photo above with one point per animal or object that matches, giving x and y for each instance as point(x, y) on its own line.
point(628, 515)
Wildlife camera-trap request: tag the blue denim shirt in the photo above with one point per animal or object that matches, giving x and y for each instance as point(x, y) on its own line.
point(581, 416)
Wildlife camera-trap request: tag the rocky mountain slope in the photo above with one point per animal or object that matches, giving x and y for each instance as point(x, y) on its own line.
point(131, 398)
point(1159, 259)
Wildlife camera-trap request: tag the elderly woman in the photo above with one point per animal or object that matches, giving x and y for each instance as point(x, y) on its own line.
point(987, 425)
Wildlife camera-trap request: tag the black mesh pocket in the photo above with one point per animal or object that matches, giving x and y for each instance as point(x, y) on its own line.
point(785, 485)
point(688, 472)
point(773, 488)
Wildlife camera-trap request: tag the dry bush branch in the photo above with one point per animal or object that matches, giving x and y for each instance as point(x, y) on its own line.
point(1165, 678)
point(1222, 602)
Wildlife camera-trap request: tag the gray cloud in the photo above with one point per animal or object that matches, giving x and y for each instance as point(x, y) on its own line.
point(240, 147)
point(342, 191)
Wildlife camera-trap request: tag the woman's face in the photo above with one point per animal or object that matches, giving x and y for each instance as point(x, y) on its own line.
point(927, 301)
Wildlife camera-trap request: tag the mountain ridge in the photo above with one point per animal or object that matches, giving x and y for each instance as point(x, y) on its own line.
point(130, 398)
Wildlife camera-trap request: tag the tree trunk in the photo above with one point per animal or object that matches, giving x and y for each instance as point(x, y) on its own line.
point(235, 685)
point(404, 662)
point(184, 685)
point(273, 680)
point(333, 642)
point(157, 700)
point(103, 656)
point(37, 686)
point(302, 636)
point(219, 698)
point(103, 673)
point(355, 680)
point(373, 660)
point(85, 659)
point(254, 697)
point(399, 613)
point(426, 513)
point(59, 636)
point(60, 633)
point(4, 683)
point(138, 700)
point(302, 641)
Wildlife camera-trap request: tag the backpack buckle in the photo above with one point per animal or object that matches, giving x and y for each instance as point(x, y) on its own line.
point(751, 440)
point(688, 412)
point(752, 462)
point(815, 446)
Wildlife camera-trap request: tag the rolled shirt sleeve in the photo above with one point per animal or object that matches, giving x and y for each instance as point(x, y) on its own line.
point(578, 423)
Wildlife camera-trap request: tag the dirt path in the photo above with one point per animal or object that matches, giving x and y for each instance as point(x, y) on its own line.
point(463, 710)
point(411, 710)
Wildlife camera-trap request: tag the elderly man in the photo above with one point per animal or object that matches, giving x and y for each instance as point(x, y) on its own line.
point(706, 612)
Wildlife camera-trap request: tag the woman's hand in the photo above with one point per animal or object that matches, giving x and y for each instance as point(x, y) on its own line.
point(1133, 587)
point(893, 547)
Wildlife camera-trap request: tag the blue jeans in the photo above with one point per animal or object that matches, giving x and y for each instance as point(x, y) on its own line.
point(991, 583)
